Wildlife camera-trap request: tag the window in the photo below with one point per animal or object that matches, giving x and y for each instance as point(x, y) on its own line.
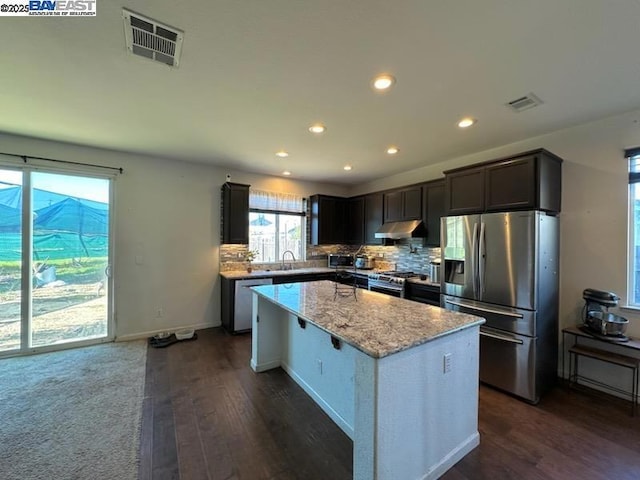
point(634, 227)
point(56, 264)
point(276, 224)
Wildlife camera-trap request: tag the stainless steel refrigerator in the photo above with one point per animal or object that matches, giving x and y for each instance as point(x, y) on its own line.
point(504, 267)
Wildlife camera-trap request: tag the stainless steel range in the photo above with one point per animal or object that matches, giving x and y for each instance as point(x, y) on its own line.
point(391, 282)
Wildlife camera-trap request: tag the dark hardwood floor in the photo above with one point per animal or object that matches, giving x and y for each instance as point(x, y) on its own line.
point(206, 415)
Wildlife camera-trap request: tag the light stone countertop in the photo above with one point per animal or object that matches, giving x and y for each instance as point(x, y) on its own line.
point(243, 274)
point(375, 323)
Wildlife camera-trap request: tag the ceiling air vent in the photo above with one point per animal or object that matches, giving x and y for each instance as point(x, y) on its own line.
point(524, 103)
point(151, 39)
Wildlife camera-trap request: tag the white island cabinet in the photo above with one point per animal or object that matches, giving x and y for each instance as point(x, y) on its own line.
point(399, 377)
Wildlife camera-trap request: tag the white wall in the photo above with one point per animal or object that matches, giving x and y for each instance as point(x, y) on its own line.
point(168, 212)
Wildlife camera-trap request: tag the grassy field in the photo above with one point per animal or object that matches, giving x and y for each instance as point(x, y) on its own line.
point(77, 271)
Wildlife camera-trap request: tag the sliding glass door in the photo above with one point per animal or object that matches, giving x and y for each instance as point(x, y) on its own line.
point(54, 260)
point(10, 260)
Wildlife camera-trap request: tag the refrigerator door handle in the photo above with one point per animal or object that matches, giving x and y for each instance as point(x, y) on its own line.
point(502, 338)
point(474, 260)
point(485, 309)
point(482, 254)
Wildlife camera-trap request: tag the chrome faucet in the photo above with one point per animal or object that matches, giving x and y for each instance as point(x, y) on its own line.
point(293, 259)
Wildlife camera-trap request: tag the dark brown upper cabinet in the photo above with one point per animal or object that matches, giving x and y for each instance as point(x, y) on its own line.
point(392, 206)
point(235, 213)
point(464, 191)
point(508, 184)
point(433, 208)
point(373, 217)
point(355, 220)
point(405, 204)
point(412, 204)
point(328, 220)
point(528, 181)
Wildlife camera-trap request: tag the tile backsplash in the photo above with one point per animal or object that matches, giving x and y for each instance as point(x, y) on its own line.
point(404, 255)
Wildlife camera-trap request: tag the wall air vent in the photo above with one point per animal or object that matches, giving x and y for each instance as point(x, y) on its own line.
point(524, 103)
point(151, 39)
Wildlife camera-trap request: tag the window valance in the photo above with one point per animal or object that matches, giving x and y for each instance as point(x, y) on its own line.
point(276, 202)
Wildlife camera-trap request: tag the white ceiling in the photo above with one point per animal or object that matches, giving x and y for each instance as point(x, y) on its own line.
point(254, 74)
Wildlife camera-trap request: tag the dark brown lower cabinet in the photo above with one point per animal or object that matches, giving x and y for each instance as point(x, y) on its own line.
point(417, 292)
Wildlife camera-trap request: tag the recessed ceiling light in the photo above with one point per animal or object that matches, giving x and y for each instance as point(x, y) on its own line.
point(347, 167)
point(383, 82)
point(286, 173)
point(282, 154)
point(317, 128)
point(466, 122)
point(392, 150)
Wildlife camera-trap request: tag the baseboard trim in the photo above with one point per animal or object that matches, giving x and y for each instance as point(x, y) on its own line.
point(151, 333)
point(263, 367)
point(453, 457)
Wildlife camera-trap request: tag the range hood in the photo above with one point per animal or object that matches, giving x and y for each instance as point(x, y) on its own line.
point(398, 230)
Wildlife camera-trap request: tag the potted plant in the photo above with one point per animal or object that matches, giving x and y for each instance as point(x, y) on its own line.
point(250, 256)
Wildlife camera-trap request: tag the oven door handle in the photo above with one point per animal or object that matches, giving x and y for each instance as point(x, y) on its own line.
point(485, 309)
point(502, 338)
point(385, 287)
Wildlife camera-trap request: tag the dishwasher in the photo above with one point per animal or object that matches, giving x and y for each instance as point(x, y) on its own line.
point(243, 303)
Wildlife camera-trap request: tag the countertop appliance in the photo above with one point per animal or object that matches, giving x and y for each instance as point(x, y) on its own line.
point(596, 316)
point(504, 267)
point(434, 270)
point(243, 303)
point(339, 260)
point(365, 262)
point(391, 282)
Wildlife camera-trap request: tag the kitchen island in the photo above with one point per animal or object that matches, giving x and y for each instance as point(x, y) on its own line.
point(400, 378)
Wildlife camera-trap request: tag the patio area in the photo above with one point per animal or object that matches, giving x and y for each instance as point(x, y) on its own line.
point(61, 312)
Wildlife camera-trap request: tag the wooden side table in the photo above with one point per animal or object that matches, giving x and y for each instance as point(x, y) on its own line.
point(578, 350)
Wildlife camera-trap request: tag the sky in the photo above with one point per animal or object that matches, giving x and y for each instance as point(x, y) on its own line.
point(82, 187)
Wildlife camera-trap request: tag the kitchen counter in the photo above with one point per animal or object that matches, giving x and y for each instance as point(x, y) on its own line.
point(374, 323)
point(400, 378)
point(243, 274)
